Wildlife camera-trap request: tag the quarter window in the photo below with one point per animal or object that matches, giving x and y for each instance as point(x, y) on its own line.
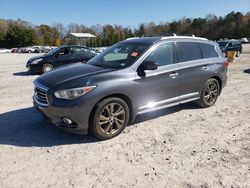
point(162, 55)
point(187, 51)
point(208, 50)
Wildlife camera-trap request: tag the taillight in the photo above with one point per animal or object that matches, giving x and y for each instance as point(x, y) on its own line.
point(226, 63)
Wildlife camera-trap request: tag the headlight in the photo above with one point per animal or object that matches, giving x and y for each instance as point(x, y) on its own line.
point(73, 93)
point(36, 61)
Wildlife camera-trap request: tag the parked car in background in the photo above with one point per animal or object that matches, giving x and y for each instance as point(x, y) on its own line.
point(230, 45)
point(21, 50)
point(101, 49)
point(28, 49)
point(59, 56)
point(14, 50)
point(98, 49)
point(132, 77)
point(37, 49)
point(46, 49)
point(244, 40)
point(4, 50)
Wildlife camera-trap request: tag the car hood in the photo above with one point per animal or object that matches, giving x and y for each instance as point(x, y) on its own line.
point(69, 73)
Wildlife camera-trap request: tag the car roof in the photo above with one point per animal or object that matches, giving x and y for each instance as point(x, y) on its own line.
point(230, 40)
point(64, 46)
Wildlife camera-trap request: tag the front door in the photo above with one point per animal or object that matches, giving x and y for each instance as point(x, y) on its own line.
point(158, 88)
point(64, 56)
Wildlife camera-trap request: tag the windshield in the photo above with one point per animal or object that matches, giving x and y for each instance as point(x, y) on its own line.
point(51, 52)
point(120, 55)
point(222, 44)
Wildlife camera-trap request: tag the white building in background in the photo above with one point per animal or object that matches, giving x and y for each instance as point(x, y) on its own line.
point(84, 39)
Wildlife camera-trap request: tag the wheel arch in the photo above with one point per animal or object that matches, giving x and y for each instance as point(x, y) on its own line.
point(219, 81)
point(121, 96)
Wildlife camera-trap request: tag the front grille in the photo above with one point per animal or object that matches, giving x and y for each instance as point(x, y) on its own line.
point(41, 95)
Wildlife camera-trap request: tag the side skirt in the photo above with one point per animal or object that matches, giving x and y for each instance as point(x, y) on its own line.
point(168, 103)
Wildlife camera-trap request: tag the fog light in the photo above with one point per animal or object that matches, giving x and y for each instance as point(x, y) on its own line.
point(67, 121)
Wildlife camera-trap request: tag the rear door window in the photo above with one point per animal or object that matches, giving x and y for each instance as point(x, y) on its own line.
point(208, 50)
point(188, 51)
point(79, 50)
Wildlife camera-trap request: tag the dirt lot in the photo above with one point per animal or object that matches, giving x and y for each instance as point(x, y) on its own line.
point(183, 146)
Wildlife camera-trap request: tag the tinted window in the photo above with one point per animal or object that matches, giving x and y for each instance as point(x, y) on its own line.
point(162, 55)
point(236, 43)
point(208, 50)
point(78, 50)
point(66, 51)
point(222, 44)
point(187, 51)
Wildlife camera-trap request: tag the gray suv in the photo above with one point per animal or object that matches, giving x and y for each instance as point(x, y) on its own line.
point(132, 77)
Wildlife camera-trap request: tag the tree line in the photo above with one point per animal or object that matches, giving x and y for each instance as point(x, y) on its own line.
point(19, 33)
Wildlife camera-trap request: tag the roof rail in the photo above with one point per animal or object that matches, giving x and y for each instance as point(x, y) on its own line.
point(167, 34)
point(192, 36)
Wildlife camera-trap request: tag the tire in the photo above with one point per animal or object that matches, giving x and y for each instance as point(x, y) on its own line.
point(104, 124)
point(209, 93)
point(47, 67)
point(237, 53)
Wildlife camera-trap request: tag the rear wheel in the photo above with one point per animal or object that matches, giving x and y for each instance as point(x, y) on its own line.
point(109, 119)
point(47, 67)
point(210, 93)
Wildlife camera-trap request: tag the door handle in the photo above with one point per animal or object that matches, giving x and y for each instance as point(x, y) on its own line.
point(205, 67)
point(173, 74)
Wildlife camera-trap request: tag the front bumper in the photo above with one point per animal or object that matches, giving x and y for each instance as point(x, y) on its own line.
point(79, 115)
point(33, 68)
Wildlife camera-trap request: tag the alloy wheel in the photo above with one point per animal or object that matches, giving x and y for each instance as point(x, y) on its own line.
point(47, 68)
point(211, 92)
point(112, 118)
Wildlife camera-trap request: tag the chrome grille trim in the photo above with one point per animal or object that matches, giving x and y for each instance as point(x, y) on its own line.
point(40, 95)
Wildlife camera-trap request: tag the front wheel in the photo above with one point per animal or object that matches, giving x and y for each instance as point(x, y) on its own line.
point(210, 93)
point(47, 67)
point(109, 119)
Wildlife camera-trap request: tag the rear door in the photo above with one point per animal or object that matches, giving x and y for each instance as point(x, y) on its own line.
point(194, 69)
point(81, 54)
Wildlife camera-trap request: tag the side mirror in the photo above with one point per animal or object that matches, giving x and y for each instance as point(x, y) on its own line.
point(148, 65)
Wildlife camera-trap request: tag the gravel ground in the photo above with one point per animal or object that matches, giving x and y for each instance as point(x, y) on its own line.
point(183, 146)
